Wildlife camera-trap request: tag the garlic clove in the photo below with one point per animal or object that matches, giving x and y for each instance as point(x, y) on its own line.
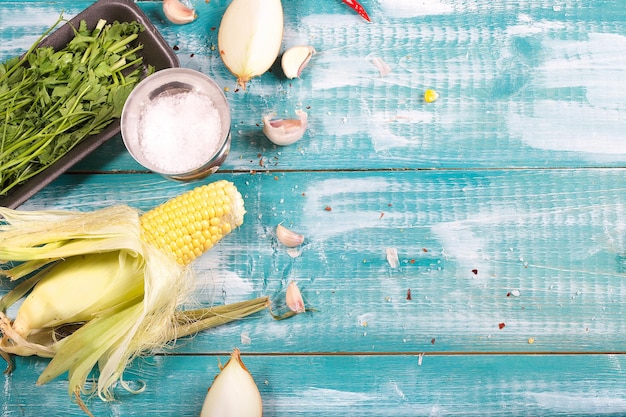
point(178, 12)
point(294, 299)
point(285, 131)
point(288, 237)
point(233, 392)
point(295, 59)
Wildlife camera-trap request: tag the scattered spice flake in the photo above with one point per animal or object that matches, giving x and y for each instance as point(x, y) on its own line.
point(328, 208)
point(475, 271)
point(389, 205)
point(501, 325)
point(226, 89)
point(508, 294)
point(381, 215)
point(424, 250)
point(432, 341)
point(276, 177)
point(412, 261)
point(192, 55)
point(408, 294)
point(213, 27)
point(531, 340)
point(175, 47)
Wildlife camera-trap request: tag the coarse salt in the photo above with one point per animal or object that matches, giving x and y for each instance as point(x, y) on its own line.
point(179, 133)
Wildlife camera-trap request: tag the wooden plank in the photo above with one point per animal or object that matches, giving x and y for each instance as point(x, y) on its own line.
point(516, 385)
point(522, 84)
point(538, 252)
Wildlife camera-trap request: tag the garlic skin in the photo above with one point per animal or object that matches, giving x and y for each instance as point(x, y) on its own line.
point(233, 392)
point(294, 299)
point(288, 237)
point(250, 36)
point(285, 131)
point(178, 12)
point(295, 59)
point(383, 68)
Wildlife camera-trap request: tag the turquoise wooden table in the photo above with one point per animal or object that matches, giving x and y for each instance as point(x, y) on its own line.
point(504, 199)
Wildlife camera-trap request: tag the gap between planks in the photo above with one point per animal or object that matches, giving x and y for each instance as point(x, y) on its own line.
point(409, 353)
point(339, 170)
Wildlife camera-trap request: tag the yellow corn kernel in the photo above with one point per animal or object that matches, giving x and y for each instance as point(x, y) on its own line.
point(430, 96)
point(198, 219)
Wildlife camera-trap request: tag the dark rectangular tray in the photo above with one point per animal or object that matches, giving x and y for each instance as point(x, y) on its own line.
point(155, 52)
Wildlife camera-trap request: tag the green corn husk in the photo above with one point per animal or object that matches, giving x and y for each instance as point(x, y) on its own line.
point(120, 295)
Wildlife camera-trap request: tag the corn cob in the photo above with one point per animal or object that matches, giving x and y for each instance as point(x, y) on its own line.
point(190, 224)
point(141, 279)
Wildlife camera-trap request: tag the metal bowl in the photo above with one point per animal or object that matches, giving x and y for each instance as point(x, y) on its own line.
point(182, 145)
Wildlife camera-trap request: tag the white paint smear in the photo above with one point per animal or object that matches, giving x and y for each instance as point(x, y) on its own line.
point(567, 126)
point(342, 195)
point(216, 284)
point(460, 243)
point(581, 403)
point(413, 8)
point(595, 125)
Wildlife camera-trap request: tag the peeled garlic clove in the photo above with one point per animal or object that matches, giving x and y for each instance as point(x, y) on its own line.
point(178, 12)
point(285, 131)
point(250, 36)
point(295, 59)
point(288, 237)
point(233, 393)
point(294, 299)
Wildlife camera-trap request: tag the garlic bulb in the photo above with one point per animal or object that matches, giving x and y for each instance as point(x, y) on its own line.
point(178, 12)
point(249, 37)
point(285, 131)
point(233, 393)
point(295, 59)
point(288, 237)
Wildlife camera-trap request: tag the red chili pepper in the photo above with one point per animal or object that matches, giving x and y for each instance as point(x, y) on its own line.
point(356, 6)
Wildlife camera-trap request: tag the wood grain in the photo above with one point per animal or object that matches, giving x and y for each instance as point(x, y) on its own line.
point(520, 86)
point(540, 251)
point(505, 200)
point(520, 385)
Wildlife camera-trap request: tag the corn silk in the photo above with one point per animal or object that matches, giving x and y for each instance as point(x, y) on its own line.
point(34, 243)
